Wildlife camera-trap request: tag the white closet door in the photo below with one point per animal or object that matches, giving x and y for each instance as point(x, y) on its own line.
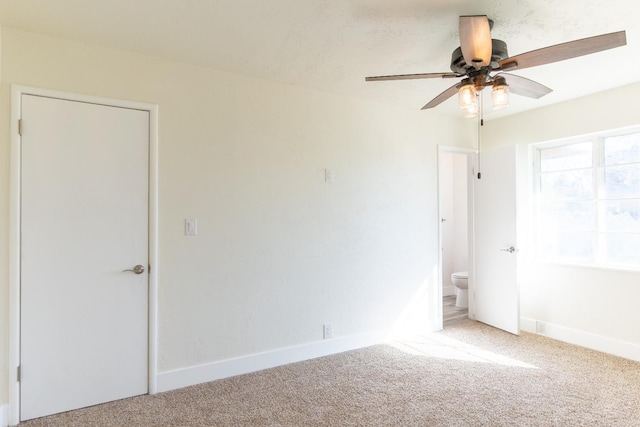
point(84, 219)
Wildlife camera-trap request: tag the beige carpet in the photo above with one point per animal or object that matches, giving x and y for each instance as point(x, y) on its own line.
point(468, 375)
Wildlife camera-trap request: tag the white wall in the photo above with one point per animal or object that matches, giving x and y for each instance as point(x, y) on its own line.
point(583, 305)
point(279, 251)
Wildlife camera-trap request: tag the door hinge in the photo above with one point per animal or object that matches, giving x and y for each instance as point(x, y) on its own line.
point(20, 127)
point(18, 373)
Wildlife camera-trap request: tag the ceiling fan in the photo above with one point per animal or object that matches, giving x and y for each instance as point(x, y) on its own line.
point(479, 56)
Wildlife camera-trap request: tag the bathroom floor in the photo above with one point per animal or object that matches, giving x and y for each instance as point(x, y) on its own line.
point(451, 314)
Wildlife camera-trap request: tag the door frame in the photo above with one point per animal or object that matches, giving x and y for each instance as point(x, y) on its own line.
point(15, 195)
point(471, 159)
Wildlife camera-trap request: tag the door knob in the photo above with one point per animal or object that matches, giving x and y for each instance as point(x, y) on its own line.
point(138, 269)
point(510, 249)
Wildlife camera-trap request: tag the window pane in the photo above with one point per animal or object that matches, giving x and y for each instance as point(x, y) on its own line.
point(567, 216)
point(622, 181)
point(572, 246)
point(567, 185)
point(621, 249)
point(572, 156)
point(622, 149)
point(621, 216)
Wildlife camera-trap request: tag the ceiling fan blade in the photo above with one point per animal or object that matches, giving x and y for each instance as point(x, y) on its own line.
point(443, 96)
point(563, 51)
point(525, 87)
point(475, 40)
point(413, 76)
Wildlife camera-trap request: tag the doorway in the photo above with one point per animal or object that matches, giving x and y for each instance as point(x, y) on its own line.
point(83, 301)
point(455, 207)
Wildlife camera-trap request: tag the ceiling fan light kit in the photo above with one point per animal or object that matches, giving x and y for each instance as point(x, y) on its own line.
point(468, 95)
point(479, 56)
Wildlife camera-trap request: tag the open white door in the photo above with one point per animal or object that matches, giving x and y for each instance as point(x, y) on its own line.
point(497, 299)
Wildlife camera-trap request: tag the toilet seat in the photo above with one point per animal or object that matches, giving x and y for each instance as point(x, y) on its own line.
point(461, 275)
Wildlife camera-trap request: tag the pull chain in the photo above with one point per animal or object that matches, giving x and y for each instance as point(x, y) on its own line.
point(480, 124)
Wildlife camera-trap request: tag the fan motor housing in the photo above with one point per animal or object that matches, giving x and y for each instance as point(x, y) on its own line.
point(498, 53)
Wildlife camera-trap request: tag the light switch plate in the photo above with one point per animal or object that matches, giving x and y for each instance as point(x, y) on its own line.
point(190, 227)
point(329, 176)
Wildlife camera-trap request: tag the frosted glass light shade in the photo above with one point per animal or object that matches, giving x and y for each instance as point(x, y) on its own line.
point(467, 97)
point(500, 96)
point(471, 111)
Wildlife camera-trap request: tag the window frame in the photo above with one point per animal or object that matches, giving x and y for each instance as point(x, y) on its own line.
point(598, 258)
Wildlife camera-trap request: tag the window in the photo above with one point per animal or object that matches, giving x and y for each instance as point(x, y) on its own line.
point(587, 194)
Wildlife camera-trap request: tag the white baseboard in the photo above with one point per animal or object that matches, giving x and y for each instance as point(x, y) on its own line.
point(4, 415)
point(185, 377)
point(448, 290)
point(528, 325)
point(584, 339)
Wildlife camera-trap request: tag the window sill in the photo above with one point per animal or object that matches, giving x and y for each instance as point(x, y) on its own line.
point(622, 269)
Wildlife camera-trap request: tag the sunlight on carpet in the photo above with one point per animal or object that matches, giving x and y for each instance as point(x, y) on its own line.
point(442, 347)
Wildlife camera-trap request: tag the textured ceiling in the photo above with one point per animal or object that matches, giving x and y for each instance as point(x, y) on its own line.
point(331, 45)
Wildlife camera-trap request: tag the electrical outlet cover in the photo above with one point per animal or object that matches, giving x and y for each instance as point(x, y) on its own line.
point(327, 331)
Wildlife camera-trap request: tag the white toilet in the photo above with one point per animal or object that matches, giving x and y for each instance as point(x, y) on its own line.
point(460, 281)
